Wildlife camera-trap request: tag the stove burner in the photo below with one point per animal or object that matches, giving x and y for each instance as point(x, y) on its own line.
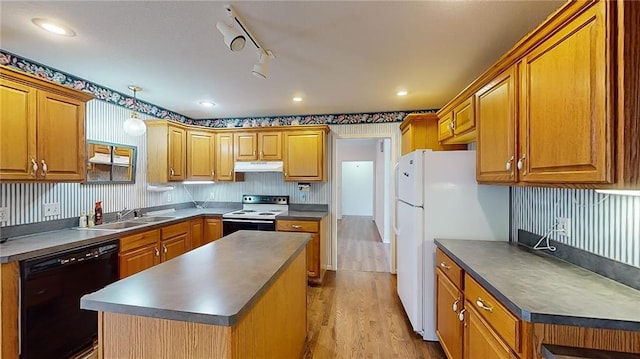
point(266, 214)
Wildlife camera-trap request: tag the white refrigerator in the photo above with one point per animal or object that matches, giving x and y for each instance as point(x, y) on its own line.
point(437, 196)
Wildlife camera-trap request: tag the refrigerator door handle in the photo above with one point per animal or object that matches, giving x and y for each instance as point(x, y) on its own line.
point(395, 214)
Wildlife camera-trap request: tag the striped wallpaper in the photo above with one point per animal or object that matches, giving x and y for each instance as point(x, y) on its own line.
point(607, 225)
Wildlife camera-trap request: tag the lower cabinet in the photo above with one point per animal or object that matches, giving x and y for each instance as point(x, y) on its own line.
point(212, 229)
point(480, 342)
point(315, 247)
point(197, 233)
point(449, 327)
point(174, 247)
point(139, 259)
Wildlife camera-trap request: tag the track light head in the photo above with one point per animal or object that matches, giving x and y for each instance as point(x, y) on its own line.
point(261, 69)
point(232, 37)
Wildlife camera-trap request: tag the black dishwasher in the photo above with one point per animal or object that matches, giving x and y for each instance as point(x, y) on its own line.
point(52, 323)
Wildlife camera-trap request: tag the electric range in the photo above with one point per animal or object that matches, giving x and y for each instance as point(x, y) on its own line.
point(258, 213)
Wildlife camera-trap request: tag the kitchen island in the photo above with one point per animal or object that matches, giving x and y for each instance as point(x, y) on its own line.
point(242, 296)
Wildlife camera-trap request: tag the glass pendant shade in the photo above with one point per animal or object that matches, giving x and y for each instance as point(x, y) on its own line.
point(134, 126)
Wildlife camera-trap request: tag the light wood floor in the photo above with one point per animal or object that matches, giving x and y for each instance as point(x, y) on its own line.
point(356, 313)
point(360, 247)
point(359, 315)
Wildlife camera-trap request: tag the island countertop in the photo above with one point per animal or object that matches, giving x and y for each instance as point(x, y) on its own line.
point(542, 289)
point(213, 284)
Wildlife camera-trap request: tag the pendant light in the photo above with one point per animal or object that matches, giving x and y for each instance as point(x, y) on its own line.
point(133, 126)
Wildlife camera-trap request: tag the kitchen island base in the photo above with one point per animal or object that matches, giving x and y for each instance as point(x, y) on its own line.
point(275, 327)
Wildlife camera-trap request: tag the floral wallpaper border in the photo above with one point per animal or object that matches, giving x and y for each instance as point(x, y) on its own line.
point(108, 95)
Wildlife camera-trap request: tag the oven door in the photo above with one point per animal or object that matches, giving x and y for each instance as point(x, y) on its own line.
point(233, 225)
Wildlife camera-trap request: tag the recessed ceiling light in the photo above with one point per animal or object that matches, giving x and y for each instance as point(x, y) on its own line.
point(207, 103)
point(297, 99)
point(402, 93)
point(53, 27)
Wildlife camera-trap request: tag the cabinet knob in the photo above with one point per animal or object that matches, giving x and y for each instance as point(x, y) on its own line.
point(164, 248)
point(34, 167)
point(451, 127)
point(213, 173)
point(230, 173)
point(44, 168)
point(254, 153)
point(157, 252)
point(508, 165)
point(172, 171)
point(455, 305)
point(444, 265)
point(480, 304)
point(521, 164)
point(461, 315)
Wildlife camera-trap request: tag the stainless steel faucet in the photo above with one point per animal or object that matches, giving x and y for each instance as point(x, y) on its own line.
point(120, 215)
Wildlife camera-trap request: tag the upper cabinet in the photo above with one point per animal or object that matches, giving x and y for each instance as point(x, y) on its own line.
point(457, 125)
point(304, 154)
point(42, 133)
point(225, 158)
point(264, 145)
point(420, 131)
point(560, 108)
point(200, 155)
point(166, 152)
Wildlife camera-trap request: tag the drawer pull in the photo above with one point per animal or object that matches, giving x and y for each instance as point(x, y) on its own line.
point(455, 305)
point(461, 315)
point(164, 248)
point(480, 303)
point(157, 252)
point(445, 266)
point(295, 226)
point(34, 167)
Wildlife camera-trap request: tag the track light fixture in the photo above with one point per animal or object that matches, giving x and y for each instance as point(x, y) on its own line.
point(236, 41)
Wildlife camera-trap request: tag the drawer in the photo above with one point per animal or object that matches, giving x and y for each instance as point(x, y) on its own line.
point(139, 240)
point(297, 226)
point(175, 229)
point(505, 324)
point(449, 268)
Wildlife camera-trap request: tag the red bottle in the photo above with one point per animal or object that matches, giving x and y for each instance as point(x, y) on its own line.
point(98, 213)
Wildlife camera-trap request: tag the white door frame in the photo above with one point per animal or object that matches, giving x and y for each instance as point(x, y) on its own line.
point(395, 150)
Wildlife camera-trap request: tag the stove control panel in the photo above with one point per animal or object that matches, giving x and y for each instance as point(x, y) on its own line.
point(260, 199)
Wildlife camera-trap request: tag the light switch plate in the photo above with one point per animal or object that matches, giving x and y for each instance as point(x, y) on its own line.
point(4, 214)
point(51, 209)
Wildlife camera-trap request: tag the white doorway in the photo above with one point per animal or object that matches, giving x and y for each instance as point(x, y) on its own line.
point(357, 188)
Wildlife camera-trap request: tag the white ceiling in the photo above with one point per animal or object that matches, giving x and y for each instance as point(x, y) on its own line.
point(340, 56)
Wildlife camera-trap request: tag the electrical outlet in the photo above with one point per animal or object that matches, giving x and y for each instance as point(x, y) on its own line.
point(564, 226)
point(169, 198)
point(4, 214)
point(51, 209)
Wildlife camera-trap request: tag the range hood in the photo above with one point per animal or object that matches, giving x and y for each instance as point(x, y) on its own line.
point(261, 166)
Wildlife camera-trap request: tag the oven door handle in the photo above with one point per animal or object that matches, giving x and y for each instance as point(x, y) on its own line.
point(246, 220)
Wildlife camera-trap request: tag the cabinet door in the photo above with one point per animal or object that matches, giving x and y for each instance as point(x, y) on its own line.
point(496, 129)
point(270, 146)
point(567, 128)
point(60, 138)
point(174, 246)
point(313, 256)
point(480, 342)
point(448, 326)
point(212, 230)
point(137, 260)
point(224, 157)
point(246, 146)
point(445, 127)
point(197, 233)
point(464, 120)
point(200, 155)
point(177, 154)
point(407, 140)
point(304, 156)
point(17, 131)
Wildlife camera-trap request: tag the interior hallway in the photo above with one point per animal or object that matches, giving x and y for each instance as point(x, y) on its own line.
point(356, 313)
point(360, 247)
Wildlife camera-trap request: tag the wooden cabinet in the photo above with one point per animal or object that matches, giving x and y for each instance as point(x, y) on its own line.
point(197, 233)
point(200, 155)
point(258, 146)
point(315, 248)
point(175, 240)
point(457, 125)
point(212, 229)
point(138, 252)
point(42, 133)
point(420, 131)
point(497, 129)
point(449, 327)
point(304, 155)
point(166, 151)
point(480, 342)
point(566, 133)
point(225, 158)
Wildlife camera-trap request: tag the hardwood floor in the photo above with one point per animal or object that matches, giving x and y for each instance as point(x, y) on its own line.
point(360, 247)
point(356, 312)
point(358, 315)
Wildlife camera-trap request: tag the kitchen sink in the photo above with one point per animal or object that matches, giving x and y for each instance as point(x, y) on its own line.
point(151, 219)
point(119, 225)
